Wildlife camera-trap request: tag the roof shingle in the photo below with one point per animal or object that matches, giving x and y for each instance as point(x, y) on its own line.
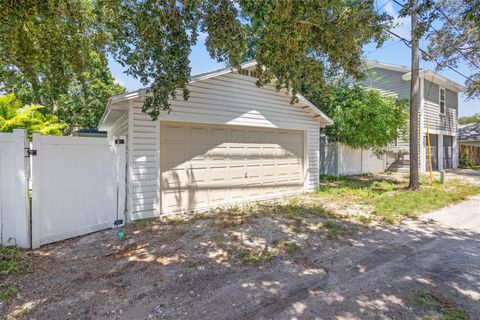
point(470, 132)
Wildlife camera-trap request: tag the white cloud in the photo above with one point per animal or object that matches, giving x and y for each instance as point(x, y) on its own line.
point(401, 26)
point(119, 82)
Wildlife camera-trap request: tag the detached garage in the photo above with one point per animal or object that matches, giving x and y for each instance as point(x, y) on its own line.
point(231, 142)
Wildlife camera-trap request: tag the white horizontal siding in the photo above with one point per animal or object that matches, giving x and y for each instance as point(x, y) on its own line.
point(143, 155)
point(231, 99)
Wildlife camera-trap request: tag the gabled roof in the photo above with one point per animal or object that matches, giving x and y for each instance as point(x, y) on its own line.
point(387, 66)
point(201, 77)
point(424, 73)
point(469, 133)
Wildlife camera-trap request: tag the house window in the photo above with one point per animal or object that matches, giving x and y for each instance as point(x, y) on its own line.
point(442, 100)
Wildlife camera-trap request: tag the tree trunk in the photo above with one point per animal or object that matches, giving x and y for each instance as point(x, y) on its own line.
point(414, 104)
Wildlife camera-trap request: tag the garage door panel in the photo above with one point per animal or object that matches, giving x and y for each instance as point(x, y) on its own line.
point(210, 165)
point(254, 171)
point(218, 173)
point(198, 152)
point(254, 152)
point(236, 172)
point(174, 155)
point(198, 134)
point(296, 139)
point(281, 169)
point(236, 152)
point(218, 135)
point(236, 192)
point(268, 170)
point(174, 178)
point(284, 138)
point(254, 136)
point(269, 137)
point(218, 153)
point(174, 133)
point(237, 135)
point(198, 175)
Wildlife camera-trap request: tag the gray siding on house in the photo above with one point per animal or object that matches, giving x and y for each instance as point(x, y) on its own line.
point(435, 120)
point(391, 83)
point(388, 81)
point(430, 92)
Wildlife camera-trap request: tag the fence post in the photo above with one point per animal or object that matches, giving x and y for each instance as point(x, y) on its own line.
point(36, 145)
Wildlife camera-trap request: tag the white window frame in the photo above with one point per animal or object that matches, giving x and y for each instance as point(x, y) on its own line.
point(444, 100)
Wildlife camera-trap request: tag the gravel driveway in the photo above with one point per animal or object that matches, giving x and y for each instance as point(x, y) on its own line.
point(173, 272)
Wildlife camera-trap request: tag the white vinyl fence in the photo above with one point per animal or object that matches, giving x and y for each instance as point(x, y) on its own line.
point(341, 160)
point(14, 198)
point(78, 186)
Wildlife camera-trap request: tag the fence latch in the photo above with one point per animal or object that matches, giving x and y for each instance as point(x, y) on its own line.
point(119, 141)
point(31, 152)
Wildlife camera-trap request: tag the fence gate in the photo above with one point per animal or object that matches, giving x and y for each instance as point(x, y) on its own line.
point(78, 186)
point(14, 204)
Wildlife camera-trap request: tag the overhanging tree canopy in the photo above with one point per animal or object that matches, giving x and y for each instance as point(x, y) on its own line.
point(298, 41)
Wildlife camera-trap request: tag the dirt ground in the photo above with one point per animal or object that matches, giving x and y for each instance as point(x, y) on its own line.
point(259, 267)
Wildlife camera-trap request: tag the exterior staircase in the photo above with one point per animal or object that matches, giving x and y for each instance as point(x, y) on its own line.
point(397, 162)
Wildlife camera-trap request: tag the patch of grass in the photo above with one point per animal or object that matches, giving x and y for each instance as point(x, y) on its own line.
point(7, 293)
point(247, 256)
point(444, 307)
point(200, 216)
point(412, 203)
point(365, 220)
point(382, 186)
point(174, 221)
point(12, 261)
point(143, 223)
point(299, 226)
point(296, 208)
point(289, 247)
point(332, 229)
point(389, 199)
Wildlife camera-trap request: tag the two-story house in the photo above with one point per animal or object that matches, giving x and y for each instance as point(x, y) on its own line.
point(438, 113)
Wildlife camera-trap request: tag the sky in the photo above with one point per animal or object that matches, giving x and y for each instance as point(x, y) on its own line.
point(392, 51)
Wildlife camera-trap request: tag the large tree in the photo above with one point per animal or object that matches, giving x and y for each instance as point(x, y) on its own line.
point(46, 45)
point(48, 42)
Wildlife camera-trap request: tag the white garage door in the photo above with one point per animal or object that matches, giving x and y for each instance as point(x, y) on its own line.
point(213, 165)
